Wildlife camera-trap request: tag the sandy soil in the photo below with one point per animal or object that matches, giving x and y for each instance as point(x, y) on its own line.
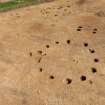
point(53, 54)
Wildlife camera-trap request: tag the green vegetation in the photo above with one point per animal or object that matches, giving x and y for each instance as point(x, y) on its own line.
point(16, 3)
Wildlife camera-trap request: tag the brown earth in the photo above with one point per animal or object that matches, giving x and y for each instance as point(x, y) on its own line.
point(53, 54)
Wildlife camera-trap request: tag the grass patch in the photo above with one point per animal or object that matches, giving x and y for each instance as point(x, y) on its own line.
point(16, 3)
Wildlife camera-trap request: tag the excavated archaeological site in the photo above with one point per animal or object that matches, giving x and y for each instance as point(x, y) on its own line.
point(53, 54)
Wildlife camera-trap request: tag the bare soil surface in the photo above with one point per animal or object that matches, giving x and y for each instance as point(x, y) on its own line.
point(53, 54)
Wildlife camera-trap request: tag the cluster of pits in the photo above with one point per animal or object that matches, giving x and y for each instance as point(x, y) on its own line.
point(94, 31)
point(86, 45)
point(54, 11)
